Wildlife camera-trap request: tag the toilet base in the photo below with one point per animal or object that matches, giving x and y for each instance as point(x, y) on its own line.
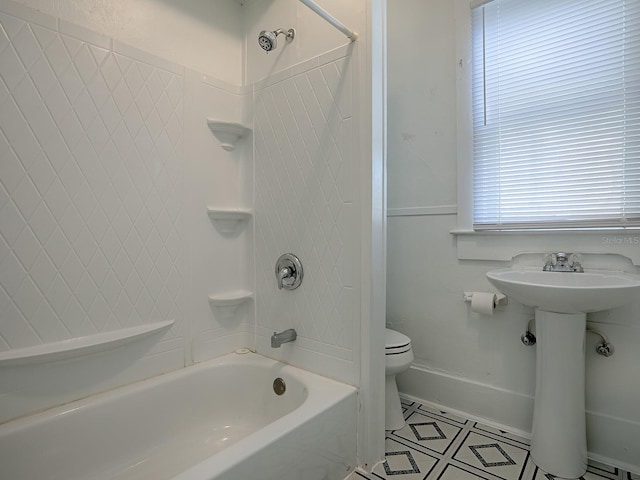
point(394, 420)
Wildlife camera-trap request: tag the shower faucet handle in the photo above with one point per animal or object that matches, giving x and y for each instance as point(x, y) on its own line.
point(285, 277)
point(289, 272)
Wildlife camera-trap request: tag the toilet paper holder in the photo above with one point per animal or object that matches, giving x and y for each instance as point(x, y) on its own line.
point(501, 299)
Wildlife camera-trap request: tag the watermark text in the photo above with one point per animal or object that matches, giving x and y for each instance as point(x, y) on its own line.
point(621, 240)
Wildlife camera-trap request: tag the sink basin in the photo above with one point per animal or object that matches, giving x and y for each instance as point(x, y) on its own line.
point(562, 292)
point(562, 301)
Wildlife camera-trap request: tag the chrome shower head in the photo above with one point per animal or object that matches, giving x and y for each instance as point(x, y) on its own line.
point(267, 39)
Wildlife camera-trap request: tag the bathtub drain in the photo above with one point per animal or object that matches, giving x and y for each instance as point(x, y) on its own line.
point(279, 386)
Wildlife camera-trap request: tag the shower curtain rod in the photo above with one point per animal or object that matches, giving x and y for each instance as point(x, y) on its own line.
point(353, 36)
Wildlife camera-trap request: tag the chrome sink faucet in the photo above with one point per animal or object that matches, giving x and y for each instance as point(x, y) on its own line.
point(563, 262)
point(286, 336)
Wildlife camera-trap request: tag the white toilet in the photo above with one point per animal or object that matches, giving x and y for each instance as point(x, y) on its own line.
point(398, 358)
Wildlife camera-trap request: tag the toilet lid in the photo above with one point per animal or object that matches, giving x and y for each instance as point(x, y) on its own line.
point(396, 342)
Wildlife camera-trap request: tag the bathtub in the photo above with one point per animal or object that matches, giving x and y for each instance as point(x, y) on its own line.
point(216, 420)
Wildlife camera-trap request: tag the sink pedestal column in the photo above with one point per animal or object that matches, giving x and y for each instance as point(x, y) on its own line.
point(559, 441)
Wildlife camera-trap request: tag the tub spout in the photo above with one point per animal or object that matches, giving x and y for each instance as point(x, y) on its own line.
point(278, 339)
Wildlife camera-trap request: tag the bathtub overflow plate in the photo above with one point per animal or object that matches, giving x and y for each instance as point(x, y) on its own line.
point(279, 386)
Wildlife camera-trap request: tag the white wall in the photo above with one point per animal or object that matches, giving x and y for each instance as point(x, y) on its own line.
point(465, 361)
point(203, 35)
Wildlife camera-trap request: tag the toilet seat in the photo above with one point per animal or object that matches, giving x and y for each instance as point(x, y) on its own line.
point(396, 342)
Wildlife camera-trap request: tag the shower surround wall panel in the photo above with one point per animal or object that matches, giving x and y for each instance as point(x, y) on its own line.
point(221, 261)
point(91, 203)
point(106, 174)
point(305, 193)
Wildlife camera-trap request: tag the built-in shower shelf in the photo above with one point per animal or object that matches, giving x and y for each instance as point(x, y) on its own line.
point(227, 303)
point(78, 347)
point(228, 219)
point(227, 133)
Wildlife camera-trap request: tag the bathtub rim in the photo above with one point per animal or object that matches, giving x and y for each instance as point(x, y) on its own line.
point(322, 394)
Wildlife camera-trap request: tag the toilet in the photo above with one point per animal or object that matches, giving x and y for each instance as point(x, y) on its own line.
point(398, 358)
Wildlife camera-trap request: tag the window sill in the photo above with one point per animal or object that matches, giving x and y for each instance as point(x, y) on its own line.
point(504, 245)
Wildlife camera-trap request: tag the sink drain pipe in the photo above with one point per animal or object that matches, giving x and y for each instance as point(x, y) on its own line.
point(603, 348)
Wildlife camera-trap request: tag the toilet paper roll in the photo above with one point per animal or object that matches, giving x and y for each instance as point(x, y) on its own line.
point(483, 302)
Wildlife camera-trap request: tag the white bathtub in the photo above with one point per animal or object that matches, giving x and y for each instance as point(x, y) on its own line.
point(216, 420)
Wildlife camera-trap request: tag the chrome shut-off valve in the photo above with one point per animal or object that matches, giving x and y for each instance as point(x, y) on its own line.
point(528, 338)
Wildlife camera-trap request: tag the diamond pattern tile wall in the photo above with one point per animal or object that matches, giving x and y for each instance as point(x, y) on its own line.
point(304, 202)
point(91, 190)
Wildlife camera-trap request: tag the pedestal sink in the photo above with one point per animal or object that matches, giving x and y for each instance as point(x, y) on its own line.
point(562, 301)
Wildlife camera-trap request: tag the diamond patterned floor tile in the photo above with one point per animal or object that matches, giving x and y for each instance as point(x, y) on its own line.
point(443, 414)
point(404, 463)
point(428, 432)
point(452, 472)
point(500, 433)
point(477, 452)
point(497, 457)
point(590, 475)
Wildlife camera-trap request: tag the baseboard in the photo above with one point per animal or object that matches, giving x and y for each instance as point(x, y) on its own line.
point(486, 403)
point(614, 441)
point(611, 440)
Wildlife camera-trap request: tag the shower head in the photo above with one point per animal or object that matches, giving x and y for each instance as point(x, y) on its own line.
point(267, 39)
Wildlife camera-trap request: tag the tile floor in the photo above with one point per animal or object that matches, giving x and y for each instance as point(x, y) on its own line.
point(435, 445)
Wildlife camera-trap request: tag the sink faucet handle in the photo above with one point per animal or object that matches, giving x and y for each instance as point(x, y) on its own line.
point(549, 261)
point(575, 260)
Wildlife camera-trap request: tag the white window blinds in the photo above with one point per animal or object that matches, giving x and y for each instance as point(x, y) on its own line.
point(556, 114)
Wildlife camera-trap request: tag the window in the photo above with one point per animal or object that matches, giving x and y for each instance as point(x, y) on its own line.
point(556, 114)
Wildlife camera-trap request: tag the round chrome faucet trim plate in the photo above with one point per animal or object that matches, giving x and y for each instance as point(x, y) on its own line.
point(289, 272)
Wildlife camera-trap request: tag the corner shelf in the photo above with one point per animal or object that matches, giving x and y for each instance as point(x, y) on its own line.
point(227, 133)
point(78, 347)
point(228, 219)
point(227, 303)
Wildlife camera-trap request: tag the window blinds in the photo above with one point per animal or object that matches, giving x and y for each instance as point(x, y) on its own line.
point(556, 114)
